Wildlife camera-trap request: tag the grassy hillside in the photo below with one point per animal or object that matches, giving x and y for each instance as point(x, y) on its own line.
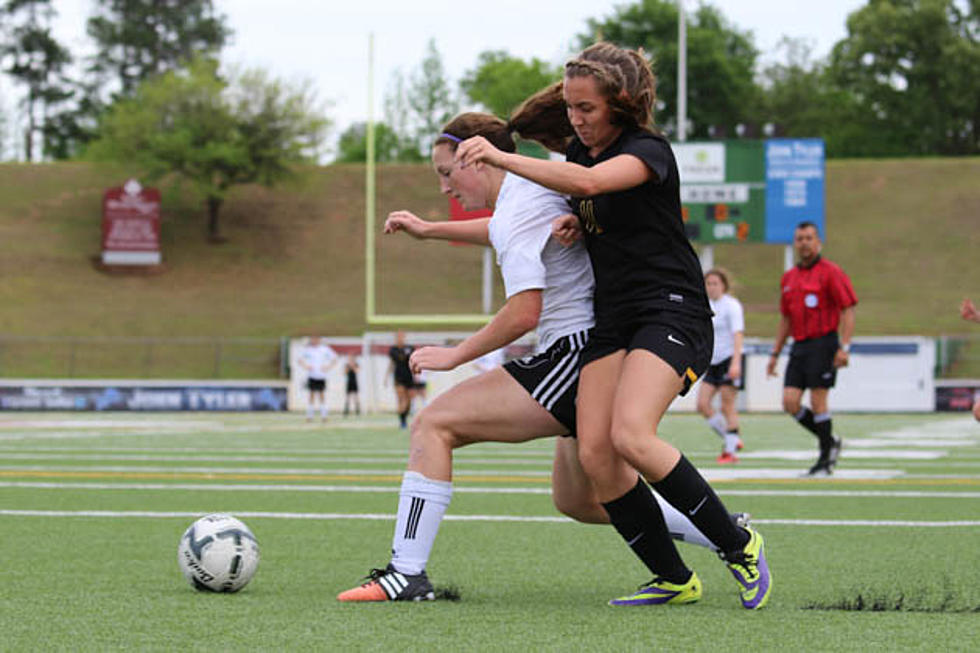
point(905, 230)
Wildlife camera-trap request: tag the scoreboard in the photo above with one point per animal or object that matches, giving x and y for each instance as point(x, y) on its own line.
point(751, 190)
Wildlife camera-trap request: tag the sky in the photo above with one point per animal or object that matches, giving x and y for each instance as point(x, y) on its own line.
point(326, 41)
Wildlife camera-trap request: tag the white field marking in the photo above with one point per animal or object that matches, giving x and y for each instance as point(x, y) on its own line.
point(259, 470)
point(105, 423)
point(394, 489)
point(749, 474)
point(257, 459)
point(471, 451)
point(964, 428)
point(711, 474)
point(871, 443)
point(891, 454)
point(449, 517)
point(223, 487)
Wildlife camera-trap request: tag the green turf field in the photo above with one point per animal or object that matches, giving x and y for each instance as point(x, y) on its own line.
point(92, 507)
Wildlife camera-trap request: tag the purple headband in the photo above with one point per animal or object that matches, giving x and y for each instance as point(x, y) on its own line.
point(454, 139)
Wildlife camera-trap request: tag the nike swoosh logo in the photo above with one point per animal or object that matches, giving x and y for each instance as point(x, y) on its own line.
point(697, 507)
point(674, 340)
point(634, 540)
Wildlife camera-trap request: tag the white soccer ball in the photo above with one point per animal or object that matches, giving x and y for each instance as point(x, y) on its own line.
point(218, 553)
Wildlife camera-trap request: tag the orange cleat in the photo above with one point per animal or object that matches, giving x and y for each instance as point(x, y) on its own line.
point(727, 459)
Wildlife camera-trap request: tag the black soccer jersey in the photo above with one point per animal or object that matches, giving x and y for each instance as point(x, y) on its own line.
point(399, 356)
point(640, 254)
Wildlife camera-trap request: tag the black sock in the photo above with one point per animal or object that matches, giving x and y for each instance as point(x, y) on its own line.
point(805, 418)
point(640, 522)
point(685, 489)
point(824, 429)
point(403, 418)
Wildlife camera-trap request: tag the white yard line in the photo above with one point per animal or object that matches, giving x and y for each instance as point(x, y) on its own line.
point(394, 489)
point(328, 516)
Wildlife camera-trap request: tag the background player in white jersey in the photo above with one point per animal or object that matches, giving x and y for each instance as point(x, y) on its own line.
point(547, 286)
point(724, 374)
point(968, 311)
point(317, 359)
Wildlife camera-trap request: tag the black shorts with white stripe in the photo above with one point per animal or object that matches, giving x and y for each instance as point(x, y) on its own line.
point(551, 377)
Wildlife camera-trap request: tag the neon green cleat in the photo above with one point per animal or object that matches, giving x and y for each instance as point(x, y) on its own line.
point(660, 592)
point(751, 572)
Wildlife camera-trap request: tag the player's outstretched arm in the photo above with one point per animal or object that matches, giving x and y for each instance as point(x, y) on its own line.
point(470, 231)
point(515, 318)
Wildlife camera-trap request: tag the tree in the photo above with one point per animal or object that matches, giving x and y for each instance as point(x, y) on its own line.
point(912, 66)
point(720, 62)
point(429, 98)
point(213, 133)
point(388, 145)
point(501, 82)
point(33, 57)
point(137, 39)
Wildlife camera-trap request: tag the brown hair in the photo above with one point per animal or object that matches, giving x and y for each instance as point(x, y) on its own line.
point(624, 78)
point(467, 125)
point(722, 276)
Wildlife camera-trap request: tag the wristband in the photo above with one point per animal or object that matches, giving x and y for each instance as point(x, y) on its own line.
point(846, 348)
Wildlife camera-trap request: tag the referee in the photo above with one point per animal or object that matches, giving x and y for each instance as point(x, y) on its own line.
point(817, 300)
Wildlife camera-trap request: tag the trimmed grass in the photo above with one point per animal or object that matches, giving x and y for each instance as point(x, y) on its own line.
point(96, 583)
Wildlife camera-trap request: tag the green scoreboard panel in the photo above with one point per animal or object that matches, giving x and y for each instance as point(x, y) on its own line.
point(723, 190)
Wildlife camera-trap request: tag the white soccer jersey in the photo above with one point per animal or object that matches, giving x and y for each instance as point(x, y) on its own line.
point(529, 258)
point(729, 319)
point(318, 358)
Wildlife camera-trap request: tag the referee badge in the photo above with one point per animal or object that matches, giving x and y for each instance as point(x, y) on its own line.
point(811, 300)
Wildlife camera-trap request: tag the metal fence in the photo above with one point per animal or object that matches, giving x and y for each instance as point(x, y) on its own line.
point(142, 358)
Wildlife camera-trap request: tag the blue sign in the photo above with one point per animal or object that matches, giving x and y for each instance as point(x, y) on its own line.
point(794, 186)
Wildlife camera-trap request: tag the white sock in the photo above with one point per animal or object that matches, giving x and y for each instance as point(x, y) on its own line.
point(680, 527)
point(323, 411)
point(731, 442)
point(422, 504)
point(717, 422)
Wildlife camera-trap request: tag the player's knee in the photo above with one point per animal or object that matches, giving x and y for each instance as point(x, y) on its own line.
point(628, 441)
point(791, 405)
point(704, 407)
point(433, 426)
point(586, 512)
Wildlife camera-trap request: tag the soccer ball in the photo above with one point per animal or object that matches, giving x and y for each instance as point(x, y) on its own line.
point(218, 553)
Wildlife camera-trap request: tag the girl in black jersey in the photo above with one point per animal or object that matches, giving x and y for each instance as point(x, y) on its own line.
point(653, 334)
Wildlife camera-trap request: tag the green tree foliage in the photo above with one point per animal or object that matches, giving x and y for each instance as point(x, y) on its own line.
point(801, 99)
point(500, 82)
point(388, 145)
point(136, 39)
point(912, 66)
point(34, 58)
point(430, 100)
point(211, 132)
point(720, 62)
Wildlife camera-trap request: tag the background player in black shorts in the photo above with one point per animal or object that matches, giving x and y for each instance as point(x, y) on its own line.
point(816, 298)
point(351, 396)
point(402, 375)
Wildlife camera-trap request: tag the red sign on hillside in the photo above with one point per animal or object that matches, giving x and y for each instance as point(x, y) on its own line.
point(131, 225)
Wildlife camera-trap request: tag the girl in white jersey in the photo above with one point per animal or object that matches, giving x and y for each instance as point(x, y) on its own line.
point(548, 286)
point(724, 373)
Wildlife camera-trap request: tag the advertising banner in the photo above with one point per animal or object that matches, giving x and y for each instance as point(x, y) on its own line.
point(142, 398)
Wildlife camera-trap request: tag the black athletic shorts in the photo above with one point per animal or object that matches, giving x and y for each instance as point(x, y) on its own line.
point(811, 363)
point(685, 342)
point(717, 375)
point(408, 382)
point(551, 377)
point(316, 385)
